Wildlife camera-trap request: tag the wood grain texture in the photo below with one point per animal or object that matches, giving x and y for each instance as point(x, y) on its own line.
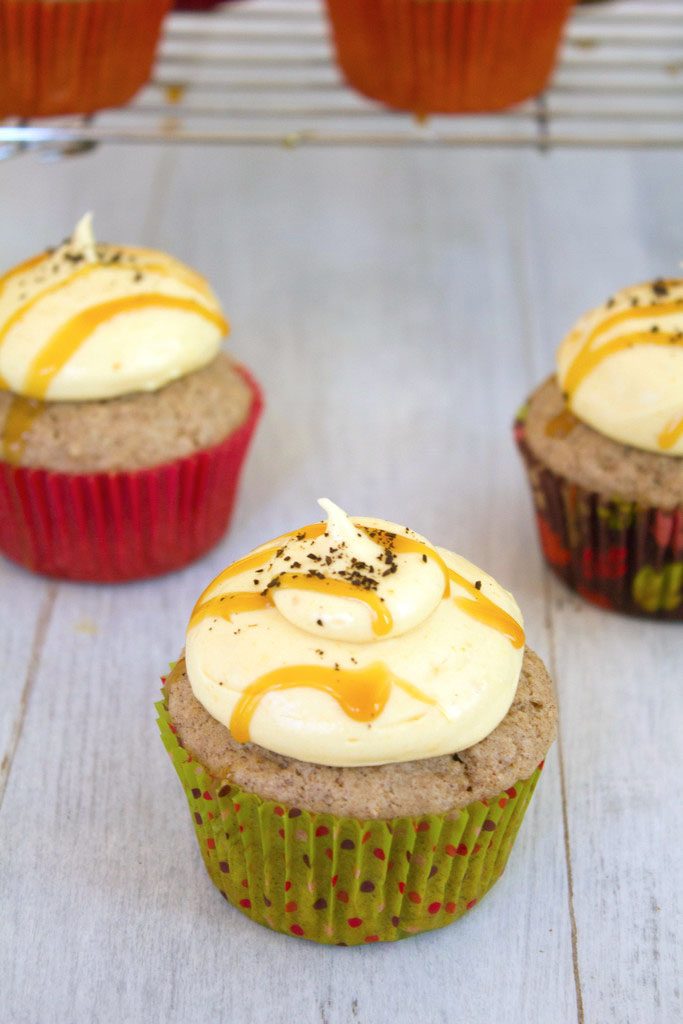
point(396, 307)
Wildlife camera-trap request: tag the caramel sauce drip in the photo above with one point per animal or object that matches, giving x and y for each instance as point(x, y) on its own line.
point(477, 605)
point(21, 414)
point(588, 358)
point(258, 559)
point(382, 622)
point(227, 605)
point(480, 607)
point(561, 426)
point(670, 435)
point(361, 693)
point(66, 341)
point(22, 268)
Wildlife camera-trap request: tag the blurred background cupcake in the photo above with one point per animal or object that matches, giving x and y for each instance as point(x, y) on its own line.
point(447, 56)
point(123, 427)
point(358, 728)
point(75, 56)
point(602, 441)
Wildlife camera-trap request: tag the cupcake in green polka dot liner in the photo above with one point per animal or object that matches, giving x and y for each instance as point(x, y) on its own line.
point(358, 727)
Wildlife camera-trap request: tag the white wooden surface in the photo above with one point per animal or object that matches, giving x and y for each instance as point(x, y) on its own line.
point(397, 307)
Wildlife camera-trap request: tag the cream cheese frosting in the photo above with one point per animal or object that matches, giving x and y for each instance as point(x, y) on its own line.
point(621, 367)
point(89, 320)
point(354, 642)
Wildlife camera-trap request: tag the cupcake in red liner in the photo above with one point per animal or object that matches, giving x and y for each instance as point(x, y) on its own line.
point(75, 56)
point(358, 728)
point(447, 56)
point(123, 427)
point(602, 443)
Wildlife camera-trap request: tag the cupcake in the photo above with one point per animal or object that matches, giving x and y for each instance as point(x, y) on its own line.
point(602, 441)
point(123, 427)
point(447, 56)
point(75, 56)
point(358, 728)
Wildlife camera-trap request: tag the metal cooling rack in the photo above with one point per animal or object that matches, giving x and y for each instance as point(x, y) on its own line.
point(261, 72)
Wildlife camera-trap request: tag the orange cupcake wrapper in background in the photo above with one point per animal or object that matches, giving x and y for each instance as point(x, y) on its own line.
point(447, 56)
point(111, 527)
point(75, 56)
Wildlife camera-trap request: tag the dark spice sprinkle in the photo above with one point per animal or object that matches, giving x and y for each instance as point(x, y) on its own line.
point(660, 287)
point(635, 301)
point(424, 558)
point(314, 558)
point(319, 622)
point(456, 758)
point(654, 329)
point(138, 276)
point(609, 303)
point(296, 565)
point(478, 585)
point(74, 257)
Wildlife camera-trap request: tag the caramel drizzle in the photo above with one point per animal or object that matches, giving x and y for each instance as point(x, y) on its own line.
point(588, 358)
point(21, 415)
point(477, 605)
point(66, 341)
point(561, 425)
point(22, 268)
point(187, 276)
point(670, 435)
point(480, 607)
point(361, 693)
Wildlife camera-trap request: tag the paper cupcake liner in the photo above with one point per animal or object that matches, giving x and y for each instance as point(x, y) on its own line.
point(447, 56)
point(342, 881)
point(75, 56)
point(618, 554)
point(109, 527)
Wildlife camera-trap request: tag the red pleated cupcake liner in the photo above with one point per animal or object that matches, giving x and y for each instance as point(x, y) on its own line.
point(620, 555)
point(111, 527)
point(447, 56)
point(75, 56)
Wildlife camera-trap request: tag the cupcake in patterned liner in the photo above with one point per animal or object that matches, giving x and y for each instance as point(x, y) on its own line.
point(123, 427)
point(602, 442)
point(358, 728)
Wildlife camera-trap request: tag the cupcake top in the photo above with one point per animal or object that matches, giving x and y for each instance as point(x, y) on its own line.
point(354, 642)
point(621, 367)
point(89, 320)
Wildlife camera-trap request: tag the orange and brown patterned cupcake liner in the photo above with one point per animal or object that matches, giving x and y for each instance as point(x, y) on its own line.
point(110, 527)
point(620, 555)
point(75, 56)
point(447, 56)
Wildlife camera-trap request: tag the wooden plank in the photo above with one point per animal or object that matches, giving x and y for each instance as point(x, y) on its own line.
point(374, 299)
point(619, 679)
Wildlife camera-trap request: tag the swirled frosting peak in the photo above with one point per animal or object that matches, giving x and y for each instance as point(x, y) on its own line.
point(621, 367)
point(354, 642)
point(90, 320)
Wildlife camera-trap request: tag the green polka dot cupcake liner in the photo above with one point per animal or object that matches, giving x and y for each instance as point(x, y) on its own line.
point(343, 881)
